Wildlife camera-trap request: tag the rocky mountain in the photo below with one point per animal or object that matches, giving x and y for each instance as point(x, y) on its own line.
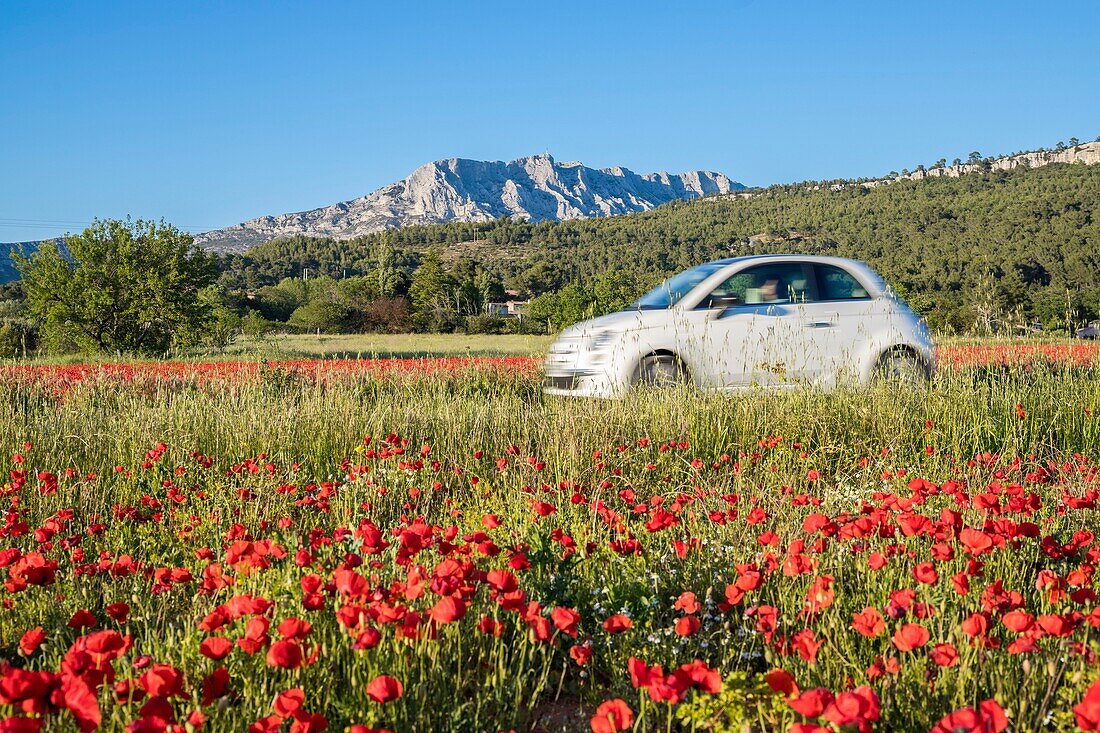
point(535, 188)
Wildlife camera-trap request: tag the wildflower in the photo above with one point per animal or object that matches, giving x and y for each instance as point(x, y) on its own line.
point(944, 655)
point(448, 610)
point(566, 620)
point(687, 625)
point(617, 624)
point(860, 707)
point(285, 654)
point(289, 702)
point(988, 717)
point(782, 681)
point(612, 716)
point(1087, 712)
point(31, 640)
point(868, 622)
point(910, 637)
point(811, 703)
point(215, 647)
point(385, 689)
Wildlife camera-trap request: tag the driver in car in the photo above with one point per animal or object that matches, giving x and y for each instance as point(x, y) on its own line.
point(773, 290)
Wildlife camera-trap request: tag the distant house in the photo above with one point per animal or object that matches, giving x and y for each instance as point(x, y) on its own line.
point(508, 309)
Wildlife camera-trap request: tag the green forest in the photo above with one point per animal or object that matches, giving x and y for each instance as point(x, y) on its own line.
point(976, 252)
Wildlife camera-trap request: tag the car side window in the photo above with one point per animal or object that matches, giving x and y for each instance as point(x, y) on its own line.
point(834, 283)
point(784, 282)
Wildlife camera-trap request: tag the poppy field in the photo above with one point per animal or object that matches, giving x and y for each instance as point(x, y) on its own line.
point(281, 549)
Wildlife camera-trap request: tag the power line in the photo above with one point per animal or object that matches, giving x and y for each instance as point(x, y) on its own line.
point(39, 223)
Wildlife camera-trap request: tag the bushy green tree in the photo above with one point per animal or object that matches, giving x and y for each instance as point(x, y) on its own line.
point(129, 287)
point(432, 295)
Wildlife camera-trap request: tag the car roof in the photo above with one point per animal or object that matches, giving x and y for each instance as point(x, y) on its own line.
point(820, 259)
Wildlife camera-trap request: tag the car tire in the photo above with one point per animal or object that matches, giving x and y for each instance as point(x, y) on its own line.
point(903, 368)
point(661, 371)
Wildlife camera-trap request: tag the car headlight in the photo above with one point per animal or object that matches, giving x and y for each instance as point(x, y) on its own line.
point(600, 340)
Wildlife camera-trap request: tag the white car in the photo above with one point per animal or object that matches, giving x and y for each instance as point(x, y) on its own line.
point(769, 321)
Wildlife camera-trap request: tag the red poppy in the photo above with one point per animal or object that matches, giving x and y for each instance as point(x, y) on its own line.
point(975, 624)
point(80, 700)
point(806, 645)
point(686, 603)
point(566, 620)
point(31, 640)
point(612, 716)
point(119, 611)
point(1087, 712)
point(811, 703)
point(698, 675)
point(501, 581)
point(580, 653)
point(989, 717)
point(82, 619)
point(925, 572)
point(294, 628)
point(215, 686)
point(944, 655)
point(304, 722)
point(384, 689)
point(285, 654)
point(641, 675)
point(1056, 625)
point(910, 637)
point(162, 680)
point(975, 542)
point(860, 707)
point(687, 625)
point(490, 626)
point(448, 610)
point(215, 647)
point(782, 681)
point(255, 635)
point(289, 702)
point(808, 728)
point(820, 595)
point(1018, 621)
point(868, 622)
point(617, 624)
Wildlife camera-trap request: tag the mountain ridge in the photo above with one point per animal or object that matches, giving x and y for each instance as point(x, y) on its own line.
point(535, 188)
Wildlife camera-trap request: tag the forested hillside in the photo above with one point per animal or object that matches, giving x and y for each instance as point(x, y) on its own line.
point(1021, 245)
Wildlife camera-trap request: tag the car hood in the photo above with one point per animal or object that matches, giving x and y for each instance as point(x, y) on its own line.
point(620, 321)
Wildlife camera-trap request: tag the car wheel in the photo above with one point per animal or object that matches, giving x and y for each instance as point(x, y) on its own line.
point(902, 368)
point(661, 371)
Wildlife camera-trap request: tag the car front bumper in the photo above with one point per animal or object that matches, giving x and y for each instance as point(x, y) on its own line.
point(580, 383)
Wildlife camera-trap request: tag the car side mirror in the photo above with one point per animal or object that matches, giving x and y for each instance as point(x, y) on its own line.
point(720, 304)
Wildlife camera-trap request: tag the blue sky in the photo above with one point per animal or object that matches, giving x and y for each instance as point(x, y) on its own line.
point(209, 113)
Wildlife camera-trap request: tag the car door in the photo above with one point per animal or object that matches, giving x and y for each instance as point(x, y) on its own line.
point(747, 331)
point(836, 325)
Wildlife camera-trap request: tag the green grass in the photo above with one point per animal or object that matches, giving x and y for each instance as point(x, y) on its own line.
point(278, 347)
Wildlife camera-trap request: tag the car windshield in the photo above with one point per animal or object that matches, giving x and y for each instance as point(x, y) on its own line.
point(669, 293)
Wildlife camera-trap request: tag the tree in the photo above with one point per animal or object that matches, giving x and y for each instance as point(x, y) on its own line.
point(490, 287)
point(431, 293)
point(389, 278)
point(974, 158)
point(129, 287)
